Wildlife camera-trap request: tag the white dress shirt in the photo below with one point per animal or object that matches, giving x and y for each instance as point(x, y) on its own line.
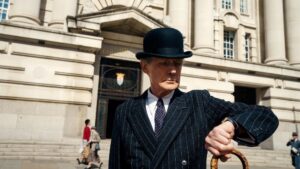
point(151, 106)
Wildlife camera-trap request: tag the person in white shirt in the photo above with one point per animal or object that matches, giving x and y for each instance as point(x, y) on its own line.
point(295, 150)
point(165, 128)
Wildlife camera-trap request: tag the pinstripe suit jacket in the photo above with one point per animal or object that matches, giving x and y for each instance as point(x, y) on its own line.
point(189, 119)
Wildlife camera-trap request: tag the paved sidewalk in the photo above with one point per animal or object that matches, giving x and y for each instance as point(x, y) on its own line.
point(38, 164)
point(48, 164)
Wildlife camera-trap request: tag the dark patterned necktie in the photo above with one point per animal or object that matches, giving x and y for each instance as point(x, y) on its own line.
point(159, 116)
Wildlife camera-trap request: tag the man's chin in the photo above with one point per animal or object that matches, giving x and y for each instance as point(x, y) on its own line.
point(170, 87)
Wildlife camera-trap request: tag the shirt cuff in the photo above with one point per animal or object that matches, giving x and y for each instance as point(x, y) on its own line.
point(241, 135)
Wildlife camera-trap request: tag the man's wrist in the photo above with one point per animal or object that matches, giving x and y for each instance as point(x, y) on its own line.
point(234, 123)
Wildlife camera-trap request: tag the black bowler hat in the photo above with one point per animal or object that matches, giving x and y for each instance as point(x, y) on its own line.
point(295, 134)
point(163, 43)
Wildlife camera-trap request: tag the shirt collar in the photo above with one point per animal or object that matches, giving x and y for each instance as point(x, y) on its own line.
point(166, 99)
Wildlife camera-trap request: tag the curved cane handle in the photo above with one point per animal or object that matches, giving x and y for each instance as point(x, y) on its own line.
point(214, 160)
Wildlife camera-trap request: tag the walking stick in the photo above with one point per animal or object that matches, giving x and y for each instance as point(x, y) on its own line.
point(214, 160)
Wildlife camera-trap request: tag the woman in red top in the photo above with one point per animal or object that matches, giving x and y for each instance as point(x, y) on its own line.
point(86, 131)
point(85, 140)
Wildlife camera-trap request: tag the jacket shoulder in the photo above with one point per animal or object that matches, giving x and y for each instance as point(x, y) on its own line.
point(128, 105)
point(201, 93)
point(131, 101)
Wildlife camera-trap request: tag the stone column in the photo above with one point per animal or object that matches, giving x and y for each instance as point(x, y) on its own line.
point(253, 48)
point(204, 26)
point(274, 32)
point(179, 15)
point(62, 9)
point(240, 38)
point(219, 39)
point(292, 18)
point(26, 12)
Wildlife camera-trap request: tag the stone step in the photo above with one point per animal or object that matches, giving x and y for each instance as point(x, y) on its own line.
point(69, 152)
point(46, 151)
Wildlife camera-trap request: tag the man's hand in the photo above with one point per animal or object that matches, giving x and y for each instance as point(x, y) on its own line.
point(218, 141)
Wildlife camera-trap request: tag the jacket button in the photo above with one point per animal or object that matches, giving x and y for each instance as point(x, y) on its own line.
point(183, 162)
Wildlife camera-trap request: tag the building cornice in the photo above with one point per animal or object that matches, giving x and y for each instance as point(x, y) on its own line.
point(44, 35)
point(214, 62)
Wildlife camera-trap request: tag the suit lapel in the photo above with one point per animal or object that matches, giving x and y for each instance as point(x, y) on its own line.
point(175, 119)
point(141, 126)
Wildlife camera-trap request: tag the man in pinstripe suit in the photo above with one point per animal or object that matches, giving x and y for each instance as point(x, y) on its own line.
point(165, 128)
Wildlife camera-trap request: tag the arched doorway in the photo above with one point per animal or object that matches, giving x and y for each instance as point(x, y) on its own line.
point(119, 81)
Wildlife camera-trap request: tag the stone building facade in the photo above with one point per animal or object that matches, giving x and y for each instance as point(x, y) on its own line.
point(62, 61)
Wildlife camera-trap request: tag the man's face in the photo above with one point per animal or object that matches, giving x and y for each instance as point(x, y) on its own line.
point(164, 74)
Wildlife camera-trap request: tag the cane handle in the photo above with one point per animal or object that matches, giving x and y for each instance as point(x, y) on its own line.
point(214, 160)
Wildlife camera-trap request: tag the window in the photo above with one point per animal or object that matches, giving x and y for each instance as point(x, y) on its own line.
point(4, 5)
point(227, 4)
point(247, 46)
point(243, 7)
point(228, 45)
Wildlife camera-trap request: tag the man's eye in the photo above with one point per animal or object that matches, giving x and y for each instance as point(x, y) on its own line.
point(178, 63)
point(164, 63)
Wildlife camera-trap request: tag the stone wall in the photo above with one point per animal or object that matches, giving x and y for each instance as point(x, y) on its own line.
point(46, 82)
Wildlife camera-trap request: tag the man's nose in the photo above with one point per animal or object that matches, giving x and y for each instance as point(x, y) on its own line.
point(173, 70)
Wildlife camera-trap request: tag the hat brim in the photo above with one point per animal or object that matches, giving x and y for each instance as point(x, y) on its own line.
point(141, 55)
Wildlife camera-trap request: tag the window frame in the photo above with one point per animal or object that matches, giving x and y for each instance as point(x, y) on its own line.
point(247, 46)
point(4, 10)
point(229, 44)
point(244, 6)
point(227, 4)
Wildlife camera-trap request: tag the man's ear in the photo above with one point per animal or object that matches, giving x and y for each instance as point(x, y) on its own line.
point(144, 67)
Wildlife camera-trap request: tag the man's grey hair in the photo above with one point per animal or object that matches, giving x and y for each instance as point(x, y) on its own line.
point(147, 59)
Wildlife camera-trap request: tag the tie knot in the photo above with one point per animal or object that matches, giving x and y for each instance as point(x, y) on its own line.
point(160, 101)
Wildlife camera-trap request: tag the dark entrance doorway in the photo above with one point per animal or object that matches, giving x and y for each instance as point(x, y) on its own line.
point(119, 81)
point(245, 95)
point(112, 106)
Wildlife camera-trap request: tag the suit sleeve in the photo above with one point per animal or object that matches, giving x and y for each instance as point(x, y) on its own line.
point(289, 143)
point(256, 123)
point(115, 161)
